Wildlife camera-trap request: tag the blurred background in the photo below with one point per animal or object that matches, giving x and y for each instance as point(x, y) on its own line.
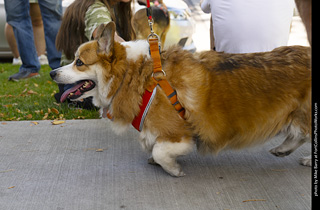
point(189, 27)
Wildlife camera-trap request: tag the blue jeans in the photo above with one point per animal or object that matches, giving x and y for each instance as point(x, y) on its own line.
point(18, 17)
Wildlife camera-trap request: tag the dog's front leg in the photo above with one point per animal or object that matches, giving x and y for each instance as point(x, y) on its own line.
point(165, 153)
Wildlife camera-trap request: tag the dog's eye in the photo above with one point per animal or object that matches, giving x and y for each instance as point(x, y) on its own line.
point(79, 62)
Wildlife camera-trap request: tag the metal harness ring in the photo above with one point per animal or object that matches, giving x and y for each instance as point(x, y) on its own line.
point(163, 72)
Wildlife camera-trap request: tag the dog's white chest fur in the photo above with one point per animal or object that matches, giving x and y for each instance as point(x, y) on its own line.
point(137, 48)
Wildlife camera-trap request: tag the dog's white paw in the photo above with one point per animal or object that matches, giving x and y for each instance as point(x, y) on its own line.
point(165, 153)
point(306, 161)
point(174, 169)
point(177, 172)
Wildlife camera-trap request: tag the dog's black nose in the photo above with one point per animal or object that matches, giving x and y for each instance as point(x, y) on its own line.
point(53, 74)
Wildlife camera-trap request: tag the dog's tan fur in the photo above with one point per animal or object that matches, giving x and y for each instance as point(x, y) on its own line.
point(231, 100)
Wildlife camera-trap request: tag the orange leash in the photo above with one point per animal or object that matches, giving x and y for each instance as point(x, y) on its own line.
point(155, 46)
point(162, 81)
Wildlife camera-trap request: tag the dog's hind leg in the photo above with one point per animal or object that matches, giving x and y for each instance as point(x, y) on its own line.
point(295, 138)
point(289, 145)
point(165, 153)
point(298, 132)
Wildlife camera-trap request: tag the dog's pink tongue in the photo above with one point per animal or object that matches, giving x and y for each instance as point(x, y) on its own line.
point(65, 94)
point(78, 93)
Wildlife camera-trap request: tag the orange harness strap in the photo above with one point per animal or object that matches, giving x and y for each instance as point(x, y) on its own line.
point(162, 81)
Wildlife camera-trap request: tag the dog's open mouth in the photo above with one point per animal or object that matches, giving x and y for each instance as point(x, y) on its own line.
point(77, 90)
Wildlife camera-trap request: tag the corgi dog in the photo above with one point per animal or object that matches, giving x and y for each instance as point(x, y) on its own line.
point(231, 101)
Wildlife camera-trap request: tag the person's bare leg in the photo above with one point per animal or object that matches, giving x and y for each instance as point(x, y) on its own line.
point(305, 8)
point(38, 31)
point(11, 40)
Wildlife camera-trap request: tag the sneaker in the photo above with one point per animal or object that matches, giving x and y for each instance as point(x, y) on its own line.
point(43, 60)
point(17, 61)
point(23, 75)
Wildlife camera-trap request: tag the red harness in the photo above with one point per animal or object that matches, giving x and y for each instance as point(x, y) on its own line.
point(147, 99)
point(138, 121)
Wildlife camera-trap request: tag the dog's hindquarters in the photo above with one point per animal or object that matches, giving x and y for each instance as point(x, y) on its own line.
point(247, 99)
point(297, 133)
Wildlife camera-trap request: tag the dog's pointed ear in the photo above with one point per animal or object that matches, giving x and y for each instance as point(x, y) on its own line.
point(105, 37)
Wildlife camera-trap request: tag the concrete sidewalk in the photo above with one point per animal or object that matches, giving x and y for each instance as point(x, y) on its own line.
point(60, 167)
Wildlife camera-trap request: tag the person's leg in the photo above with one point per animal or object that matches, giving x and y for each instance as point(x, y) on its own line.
point(11, 40)
point(17, 13)
point(38, 31)
point(51, 11)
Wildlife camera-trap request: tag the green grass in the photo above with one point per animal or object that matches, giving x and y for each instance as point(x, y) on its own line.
point(32, 99)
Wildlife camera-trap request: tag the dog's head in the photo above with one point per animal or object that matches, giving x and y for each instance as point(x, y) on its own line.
point(91, 67)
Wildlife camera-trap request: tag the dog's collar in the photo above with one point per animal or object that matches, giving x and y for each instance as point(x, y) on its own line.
point(138, 121)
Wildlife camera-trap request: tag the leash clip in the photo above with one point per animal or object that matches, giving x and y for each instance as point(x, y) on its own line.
point(154, 35)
